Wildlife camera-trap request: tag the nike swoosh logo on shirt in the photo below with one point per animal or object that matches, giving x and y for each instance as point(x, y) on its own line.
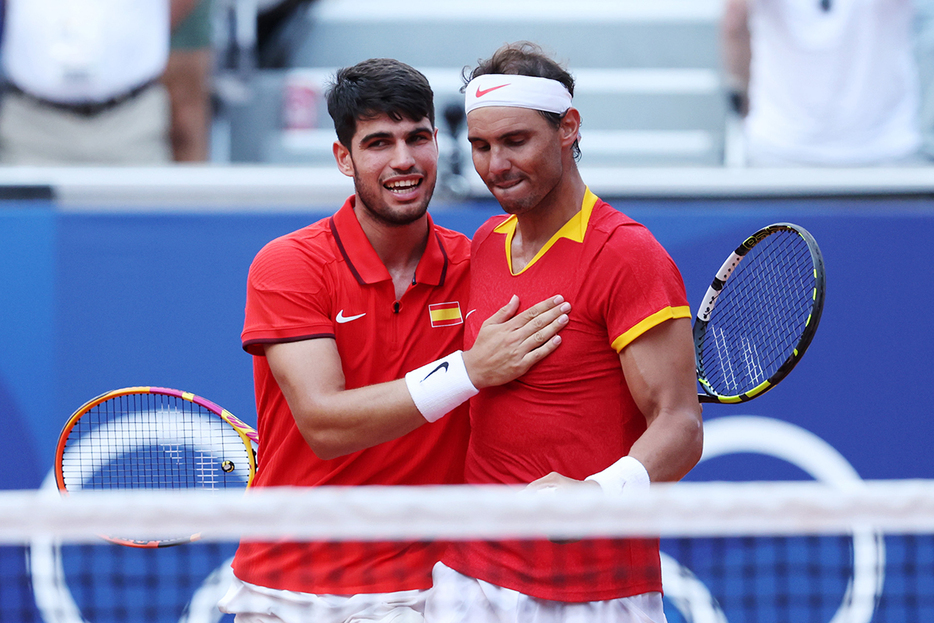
point(470, 312)
point(341, 318)
point(482, 92)
point(443, 365)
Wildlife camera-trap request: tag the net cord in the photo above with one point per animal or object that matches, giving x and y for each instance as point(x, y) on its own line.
point(447, 512)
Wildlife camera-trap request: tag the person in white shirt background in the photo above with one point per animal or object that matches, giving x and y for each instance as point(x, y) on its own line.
point(82, 81)
point(824, 82)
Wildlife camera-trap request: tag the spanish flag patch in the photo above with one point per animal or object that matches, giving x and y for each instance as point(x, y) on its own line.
point(445, 314)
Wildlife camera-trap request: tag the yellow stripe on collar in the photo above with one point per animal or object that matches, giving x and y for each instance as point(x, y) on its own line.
point(573, 230)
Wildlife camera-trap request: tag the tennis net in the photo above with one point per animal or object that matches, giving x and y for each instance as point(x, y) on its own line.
point(731, 552)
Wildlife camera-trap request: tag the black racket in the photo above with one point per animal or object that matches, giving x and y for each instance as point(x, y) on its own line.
point(759, 315)
point(153, 438)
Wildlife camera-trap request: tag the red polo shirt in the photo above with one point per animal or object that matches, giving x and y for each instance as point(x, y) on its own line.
point(326, 281)
point(572, 413)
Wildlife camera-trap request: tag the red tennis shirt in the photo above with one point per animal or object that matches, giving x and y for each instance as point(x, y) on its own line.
point(572, 413)
point(326, 281)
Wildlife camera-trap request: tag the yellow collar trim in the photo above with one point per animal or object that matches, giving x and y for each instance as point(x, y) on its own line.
point(573, 230)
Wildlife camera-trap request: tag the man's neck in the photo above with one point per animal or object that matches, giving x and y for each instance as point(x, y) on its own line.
point(537, 226)
point(399, 247)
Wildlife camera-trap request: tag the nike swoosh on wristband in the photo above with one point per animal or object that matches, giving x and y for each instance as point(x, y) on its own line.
point(443, 365)
point(481, 93)
point(341, 318)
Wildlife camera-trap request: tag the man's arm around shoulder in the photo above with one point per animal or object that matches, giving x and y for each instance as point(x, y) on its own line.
point(335, 421)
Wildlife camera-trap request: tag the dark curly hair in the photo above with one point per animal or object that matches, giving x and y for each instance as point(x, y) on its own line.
point(374, 87)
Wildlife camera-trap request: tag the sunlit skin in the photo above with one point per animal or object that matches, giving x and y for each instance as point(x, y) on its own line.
point(394, 165)
point(516, 155)
point(528, 165)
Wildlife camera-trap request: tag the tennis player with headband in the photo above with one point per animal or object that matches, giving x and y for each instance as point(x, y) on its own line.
point(355, 324)
point(615, 407)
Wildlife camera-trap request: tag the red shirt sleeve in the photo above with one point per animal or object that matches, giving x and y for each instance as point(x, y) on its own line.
point(287, 297)
point(646, 285)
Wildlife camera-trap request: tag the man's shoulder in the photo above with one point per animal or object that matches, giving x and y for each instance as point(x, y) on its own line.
point(604, 213)
point(616, 225)
point(455, 243)
point(620, 240)
point(310, 236)
point(310, 244)
point(485, 230)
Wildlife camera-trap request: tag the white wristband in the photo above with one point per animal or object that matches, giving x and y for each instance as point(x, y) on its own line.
point(624, 476)
point(440, 386)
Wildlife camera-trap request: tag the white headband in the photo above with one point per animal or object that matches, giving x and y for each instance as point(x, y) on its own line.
point(517, 91)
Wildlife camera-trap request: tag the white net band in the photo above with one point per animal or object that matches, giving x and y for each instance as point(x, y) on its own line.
point(403, 513)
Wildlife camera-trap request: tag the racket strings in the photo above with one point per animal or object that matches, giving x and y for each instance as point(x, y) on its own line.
point(153, 441)
point(760, 316)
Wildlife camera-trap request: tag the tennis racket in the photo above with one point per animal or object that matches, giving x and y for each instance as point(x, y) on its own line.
point(759, 315)
point(153, 438)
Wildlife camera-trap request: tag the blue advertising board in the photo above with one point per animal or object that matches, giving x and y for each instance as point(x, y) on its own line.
point(97, 300)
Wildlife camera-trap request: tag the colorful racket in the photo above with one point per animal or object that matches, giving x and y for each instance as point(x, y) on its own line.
point(154, 438)
point(759, 315)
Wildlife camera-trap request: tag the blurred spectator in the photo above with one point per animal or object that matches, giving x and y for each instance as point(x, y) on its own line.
point(279, 31)
point(823, 82)
point(187, 78)
point(83, 81)
point(924, 50)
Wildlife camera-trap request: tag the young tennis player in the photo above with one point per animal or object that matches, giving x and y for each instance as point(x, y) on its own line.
point(355, 324)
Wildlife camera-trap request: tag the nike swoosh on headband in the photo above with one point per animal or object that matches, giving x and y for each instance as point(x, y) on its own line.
point(482, 92)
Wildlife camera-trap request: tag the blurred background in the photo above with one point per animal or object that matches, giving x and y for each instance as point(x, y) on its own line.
point(246, 80)
point(648, 74)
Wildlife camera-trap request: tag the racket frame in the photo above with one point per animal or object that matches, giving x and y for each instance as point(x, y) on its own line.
point(708, 304)
point(247, 434)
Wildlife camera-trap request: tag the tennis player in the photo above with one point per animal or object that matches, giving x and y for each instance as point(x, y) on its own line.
point(355, 324)
point(616, 407)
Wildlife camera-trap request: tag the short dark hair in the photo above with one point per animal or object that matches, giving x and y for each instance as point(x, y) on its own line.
point(374, 87)
point(525, 58)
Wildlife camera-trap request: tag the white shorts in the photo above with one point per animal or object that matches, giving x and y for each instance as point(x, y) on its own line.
point(457, 598)
point(258, 604)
